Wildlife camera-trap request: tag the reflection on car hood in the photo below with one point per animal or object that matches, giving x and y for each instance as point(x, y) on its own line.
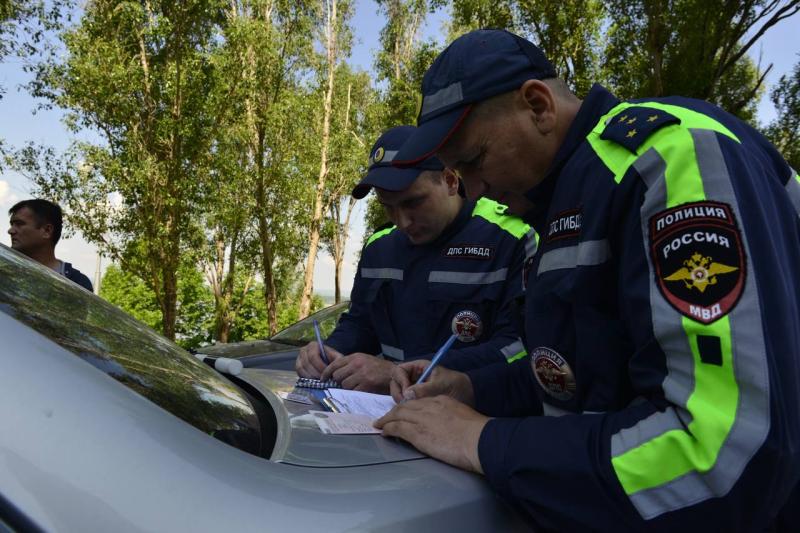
point(245, 348)
point(301, 442)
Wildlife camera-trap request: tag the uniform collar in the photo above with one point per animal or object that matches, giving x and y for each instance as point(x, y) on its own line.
point(595, 105)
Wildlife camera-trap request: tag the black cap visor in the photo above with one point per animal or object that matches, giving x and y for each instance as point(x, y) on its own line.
point(388, 178)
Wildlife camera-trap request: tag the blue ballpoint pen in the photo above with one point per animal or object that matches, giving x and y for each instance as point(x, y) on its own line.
point(321, 346)
point(436, 358)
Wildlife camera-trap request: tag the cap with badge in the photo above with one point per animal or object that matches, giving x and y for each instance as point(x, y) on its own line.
point(382, 174)
point(476, 66)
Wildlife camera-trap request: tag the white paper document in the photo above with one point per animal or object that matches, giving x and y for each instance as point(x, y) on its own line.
point(371, 405)
point(343, 423)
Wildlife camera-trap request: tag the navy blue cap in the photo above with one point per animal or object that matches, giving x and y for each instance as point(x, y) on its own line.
point(476, 66)
point(382, 174)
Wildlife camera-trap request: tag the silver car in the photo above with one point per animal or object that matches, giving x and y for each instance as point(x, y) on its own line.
point(107, 426)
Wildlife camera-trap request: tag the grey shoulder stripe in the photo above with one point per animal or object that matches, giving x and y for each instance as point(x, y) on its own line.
point(531, 243)
point(793, 190)
point(382, 273)
point(651, 166)
point(467, 278)
point(587, 253)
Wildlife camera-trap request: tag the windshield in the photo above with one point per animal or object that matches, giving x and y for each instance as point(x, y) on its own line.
point(125, 349)
point(301, 333)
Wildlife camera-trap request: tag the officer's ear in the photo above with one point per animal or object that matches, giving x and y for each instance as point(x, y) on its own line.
point(537, 97)
point(453, 182)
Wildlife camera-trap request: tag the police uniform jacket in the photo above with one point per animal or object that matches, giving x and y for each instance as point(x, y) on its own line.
point(663, 325)
point(408, 299)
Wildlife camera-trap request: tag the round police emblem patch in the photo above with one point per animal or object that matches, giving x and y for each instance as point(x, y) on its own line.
point(467, 325)
point(553, 373)
point(378, 156)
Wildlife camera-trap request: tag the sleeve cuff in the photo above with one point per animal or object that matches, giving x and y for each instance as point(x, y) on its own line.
point(492, 445)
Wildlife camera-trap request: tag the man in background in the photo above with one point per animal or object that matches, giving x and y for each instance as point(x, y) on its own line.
point(35, 229)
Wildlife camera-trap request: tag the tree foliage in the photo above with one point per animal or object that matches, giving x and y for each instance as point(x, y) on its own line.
point(784, 131)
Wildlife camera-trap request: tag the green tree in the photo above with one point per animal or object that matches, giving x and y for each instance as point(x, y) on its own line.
point(694, 48)
point(784, 131)
point(266, 55)
point(139, 75)
point(335, 40)
point(195, 303)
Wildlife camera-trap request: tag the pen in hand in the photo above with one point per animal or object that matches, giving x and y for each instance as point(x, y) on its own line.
point(321, 346)
point(436, 358)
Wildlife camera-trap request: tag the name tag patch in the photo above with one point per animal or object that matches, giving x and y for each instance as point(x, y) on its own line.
point(565, 224)
point(469, 251)
point(699, 259)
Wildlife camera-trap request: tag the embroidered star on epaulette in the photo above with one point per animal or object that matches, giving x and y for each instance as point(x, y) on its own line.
point(631, 133)
point(652, 118)
point(623, 118)
point(631, 121)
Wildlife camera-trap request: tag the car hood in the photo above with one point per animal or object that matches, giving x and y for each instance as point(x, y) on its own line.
point(245, 348)
point(301, 442)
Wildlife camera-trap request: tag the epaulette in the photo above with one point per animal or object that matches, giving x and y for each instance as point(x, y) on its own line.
point(632, 126)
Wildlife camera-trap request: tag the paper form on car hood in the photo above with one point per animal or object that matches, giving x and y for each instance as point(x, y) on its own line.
point(343, 423)
point(371, 405)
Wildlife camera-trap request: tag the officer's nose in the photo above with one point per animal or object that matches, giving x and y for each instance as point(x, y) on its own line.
point(403, 220)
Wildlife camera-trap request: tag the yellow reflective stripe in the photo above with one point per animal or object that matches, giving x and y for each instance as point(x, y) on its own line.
point(712, 406)
point(495, 213)
point(517, 356)
point(380, 234)
point(618, 159)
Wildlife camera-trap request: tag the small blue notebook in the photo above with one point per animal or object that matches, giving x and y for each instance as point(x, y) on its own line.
point(311, 383)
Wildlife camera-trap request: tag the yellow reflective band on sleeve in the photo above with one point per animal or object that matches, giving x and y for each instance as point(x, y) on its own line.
point(495, 213)
point(379, 234)
point(517, 356)
point(712, 407)
point(618, 159)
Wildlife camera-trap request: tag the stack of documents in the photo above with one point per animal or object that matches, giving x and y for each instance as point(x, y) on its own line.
point(352, 412)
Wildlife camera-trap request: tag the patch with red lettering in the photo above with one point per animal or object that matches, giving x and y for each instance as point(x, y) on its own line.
point(699, 259)
point(565, 224)
point(553, 373)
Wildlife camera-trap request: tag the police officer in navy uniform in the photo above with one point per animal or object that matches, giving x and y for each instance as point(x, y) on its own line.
point(446, 266)
point(662, 306)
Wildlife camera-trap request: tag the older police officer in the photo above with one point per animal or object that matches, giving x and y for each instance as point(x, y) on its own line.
point(446, 266)
point(663, 304)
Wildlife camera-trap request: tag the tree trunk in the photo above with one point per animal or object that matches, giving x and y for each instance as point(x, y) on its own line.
point(319, 197)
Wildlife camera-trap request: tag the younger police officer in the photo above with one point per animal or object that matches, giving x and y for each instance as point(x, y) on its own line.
point(446, 266)
point(663, 305)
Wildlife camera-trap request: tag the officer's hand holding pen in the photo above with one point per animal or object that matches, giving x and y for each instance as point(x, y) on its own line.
point(403, 385)
point(309, 363)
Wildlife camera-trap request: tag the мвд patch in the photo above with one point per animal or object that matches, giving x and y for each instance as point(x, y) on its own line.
point(699, 259)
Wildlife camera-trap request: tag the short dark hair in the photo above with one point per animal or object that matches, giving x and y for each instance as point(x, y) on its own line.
point(45, 212)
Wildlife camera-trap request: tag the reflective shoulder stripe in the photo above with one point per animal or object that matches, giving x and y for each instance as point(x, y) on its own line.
point(720, 413)
point(793, 190)
point(531, 243)
point(377, 235)
point(496, 214)
point(467, 278)
point(394, 353)
point(619, 159)
point(587, 253)
point(514, 351)
point(382, 273)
